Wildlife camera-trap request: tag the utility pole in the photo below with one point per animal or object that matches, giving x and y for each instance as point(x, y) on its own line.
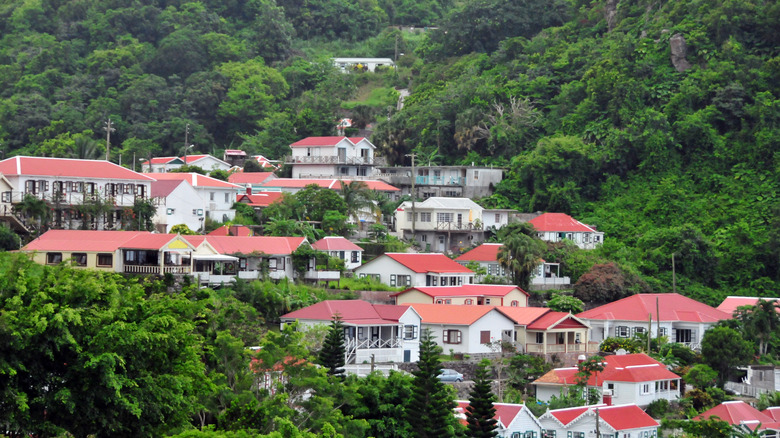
point(598, 426)
point(414, 194)
point(674, 277)
point(109, 129)
point(186, 141)
point(395, 59)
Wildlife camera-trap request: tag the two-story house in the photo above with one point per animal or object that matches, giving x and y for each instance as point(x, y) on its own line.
point(626, 379)
point(443, 181)
point(444, 224)
point(466, 329)
point(681, 319)
point(67, 185)
point(331, 157)
point(556, 227)
point(546, 275)
point(177, 203)
point(412, 270)
point(218, 196)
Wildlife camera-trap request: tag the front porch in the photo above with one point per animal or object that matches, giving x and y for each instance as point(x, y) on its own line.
point(559, 341)
point(156, 262)
point(383, 342)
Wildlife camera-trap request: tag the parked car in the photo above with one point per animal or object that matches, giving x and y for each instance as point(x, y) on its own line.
point(449, 375)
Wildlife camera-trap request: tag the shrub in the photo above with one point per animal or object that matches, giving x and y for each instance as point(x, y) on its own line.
point(658, 408)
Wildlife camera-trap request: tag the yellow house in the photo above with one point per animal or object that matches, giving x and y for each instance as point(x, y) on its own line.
point(467, 294)
point(137, 252)
point(543, 331)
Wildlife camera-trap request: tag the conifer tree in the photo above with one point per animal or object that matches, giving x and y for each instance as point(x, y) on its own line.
point(432, 407)
point(333, 350)
point(480, 413)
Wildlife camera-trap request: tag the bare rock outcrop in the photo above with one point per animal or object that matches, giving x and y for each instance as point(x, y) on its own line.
point(679, 53)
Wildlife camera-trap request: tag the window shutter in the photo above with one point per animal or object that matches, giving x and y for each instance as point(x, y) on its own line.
point(392, 280)
point(694, 339)
point(568, 434)
point(445, 337)
point(414, 336)
point(673, 338)
point(458, 333)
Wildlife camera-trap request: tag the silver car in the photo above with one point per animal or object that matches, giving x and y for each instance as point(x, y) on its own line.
point(450, 375)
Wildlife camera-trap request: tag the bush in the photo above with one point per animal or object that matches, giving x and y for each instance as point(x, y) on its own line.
point(611, 345)
point(658, 408)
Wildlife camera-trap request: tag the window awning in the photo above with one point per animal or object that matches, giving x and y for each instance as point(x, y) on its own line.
point(214, 257)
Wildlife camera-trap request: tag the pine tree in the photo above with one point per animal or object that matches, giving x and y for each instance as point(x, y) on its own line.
point(332, 354)
point(480, 414)
point(432, 407)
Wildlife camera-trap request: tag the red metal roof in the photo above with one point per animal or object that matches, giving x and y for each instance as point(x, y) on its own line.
point(487, 252)
point(249, 177)
point(149, 241)
point(161, 189)
point(81, 240)
point(232, 230)
point(505, 412)
point(318, 141)
point(673, 307)
point(161, 160)
point(429, 262)
point(552, 320)
point(735, 412)
point(476, 290)
point(335, 243)
point(261, 199)
point(193, 158)
point(559, 222)
point(455, 315)
point(67, 167)
point(195, 179)
point(356, 140)
point(238, 152)
point(256, 244)
point(524, 315)
point(355, 312)
point(619, 417)
point(773, 412)
point(730, 304)
point(334, 184)
point(633, 368)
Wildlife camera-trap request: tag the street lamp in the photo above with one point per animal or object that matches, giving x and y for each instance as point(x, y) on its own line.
point(186, 148)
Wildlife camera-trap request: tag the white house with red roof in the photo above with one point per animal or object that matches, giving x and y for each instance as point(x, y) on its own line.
point(514, 420)
point(466, 329)
point(540, 330)
point(177, 202)
point(466, 294)
point(218, 196)
point(486, 255)
point(129, 252)
point(166, 164)
point(556, 227)
point(628, 378)
point(739, 413)
point(682, 319)
point(331, 157)
point(161, 164)
point(625, 420)
point(388, 333)
point(66, 183)
point(413, 270)
point(246, 257)
point(337, 246)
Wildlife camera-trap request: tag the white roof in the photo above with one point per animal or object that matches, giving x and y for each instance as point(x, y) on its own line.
point(443, 202)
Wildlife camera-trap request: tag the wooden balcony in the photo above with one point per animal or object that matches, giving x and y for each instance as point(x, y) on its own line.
point(155, 269)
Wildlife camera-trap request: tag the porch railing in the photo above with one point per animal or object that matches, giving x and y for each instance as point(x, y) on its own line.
point(362, 344)
point(336, 159)
point(458, 226)
point(563, 348)
point(154, 269)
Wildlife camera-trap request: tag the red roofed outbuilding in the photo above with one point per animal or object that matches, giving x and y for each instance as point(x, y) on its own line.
point(468, 294)
point(739, 413)
point(512, 419)
point(682, 319)
point(555, 227)
point(414, 270)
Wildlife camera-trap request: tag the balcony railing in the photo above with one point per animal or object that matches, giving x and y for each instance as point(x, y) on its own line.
point(427, 180)
point(71, 198)
point(562, 348)
point(155, 269)
point(458, 226)
point(322, 275)
point(336, 159)
point(363, 344)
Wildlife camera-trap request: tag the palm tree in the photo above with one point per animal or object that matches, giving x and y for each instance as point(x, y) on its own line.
point(520, 255)
point(85, 148)
point(761, 320)
point(35, 208)
point(742, 431)
point(357, 196)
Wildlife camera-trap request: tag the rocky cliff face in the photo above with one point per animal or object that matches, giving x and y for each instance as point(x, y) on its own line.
point(679, 52)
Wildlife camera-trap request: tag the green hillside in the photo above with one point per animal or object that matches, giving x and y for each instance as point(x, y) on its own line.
point(581, 102)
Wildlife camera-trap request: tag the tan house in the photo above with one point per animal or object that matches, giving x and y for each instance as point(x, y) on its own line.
point(467, 294)
point(540, 330)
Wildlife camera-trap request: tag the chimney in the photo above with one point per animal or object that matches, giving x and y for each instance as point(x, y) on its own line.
point(607, 397)
point(248, 189)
